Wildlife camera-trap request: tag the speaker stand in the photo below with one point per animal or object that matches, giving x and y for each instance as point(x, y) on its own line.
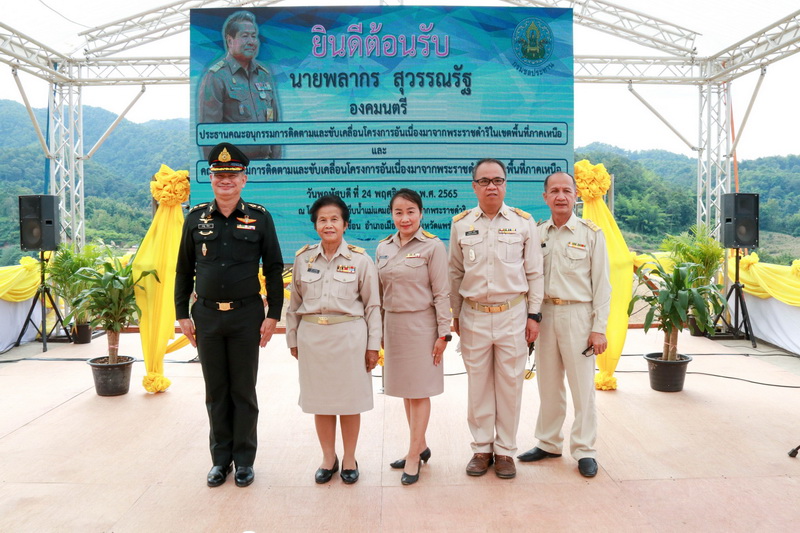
point(737, 289)
point(43, 295)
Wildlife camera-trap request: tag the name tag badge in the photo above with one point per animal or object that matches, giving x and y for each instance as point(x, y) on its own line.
point(245, 226)
point(471, 232)
point(313, 270)
point(205, 226)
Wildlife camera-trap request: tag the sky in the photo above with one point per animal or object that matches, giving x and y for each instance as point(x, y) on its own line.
point(606, 113)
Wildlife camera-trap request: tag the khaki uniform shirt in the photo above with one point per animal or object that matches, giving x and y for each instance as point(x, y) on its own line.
point(229, 93)
point(347, 285)
point(414, 277)
point(576, 266)
point(495, 260)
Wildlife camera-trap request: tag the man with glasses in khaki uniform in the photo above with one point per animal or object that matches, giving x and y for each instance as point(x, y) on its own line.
point(496, 292)
point(577, 299)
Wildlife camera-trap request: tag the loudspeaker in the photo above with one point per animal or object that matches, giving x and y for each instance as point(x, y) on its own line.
point(740, 220)
point(39, 227)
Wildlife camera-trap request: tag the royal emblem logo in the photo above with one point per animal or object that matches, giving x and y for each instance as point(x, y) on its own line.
point(533, 42)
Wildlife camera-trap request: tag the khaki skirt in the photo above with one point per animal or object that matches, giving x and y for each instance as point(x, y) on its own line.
point(408, 340)
point(333, 371)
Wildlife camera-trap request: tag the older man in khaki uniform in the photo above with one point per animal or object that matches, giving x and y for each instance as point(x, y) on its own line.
point(577, 296)
point(496, 293)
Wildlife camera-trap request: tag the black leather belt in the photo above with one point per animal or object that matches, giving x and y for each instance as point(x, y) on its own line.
point(229, 305)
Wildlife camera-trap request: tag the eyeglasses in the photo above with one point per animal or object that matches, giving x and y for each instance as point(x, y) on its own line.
point(484, 182)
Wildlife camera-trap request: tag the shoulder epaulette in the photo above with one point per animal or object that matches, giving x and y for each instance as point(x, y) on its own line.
point(520, 212)
point(428, 234)
point(539, 223)
point(306, 247)
point(259, 207)
point(199, 206)
point(217, 66)
point(387, 237)
point(461, 215)
point(592, 226)
point(356, 249)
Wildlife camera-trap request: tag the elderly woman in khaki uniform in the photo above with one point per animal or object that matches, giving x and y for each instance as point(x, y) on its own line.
point(415, 290)
point(333, 328)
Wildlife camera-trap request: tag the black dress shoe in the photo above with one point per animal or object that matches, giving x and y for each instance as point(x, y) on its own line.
point(408, 479)
point(587, 467)
point(244, 476)
point(401, 463)
point(350, 476)
point(324, 475)
point(536, 454)
point(218, 474)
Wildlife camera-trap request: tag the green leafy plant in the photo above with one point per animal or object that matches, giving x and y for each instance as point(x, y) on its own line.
point(110, 297)
point(671, 296)
point(61, 270)
point(696, 246)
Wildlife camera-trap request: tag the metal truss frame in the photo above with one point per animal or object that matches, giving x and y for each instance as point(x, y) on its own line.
point(98, 64)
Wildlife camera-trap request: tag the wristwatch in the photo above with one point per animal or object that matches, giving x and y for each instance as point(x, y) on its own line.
point(446, 338)
point(535, 316)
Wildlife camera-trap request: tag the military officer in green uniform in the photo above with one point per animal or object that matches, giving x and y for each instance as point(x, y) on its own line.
point(238, 88)
point(222, 244)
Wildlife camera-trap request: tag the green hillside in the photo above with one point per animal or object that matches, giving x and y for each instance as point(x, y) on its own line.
point(655, 190)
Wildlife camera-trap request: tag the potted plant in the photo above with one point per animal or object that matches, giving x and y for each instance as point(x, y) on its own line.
point(61, 269)
point(671, 297)
point(109, 298)
point(696, 246)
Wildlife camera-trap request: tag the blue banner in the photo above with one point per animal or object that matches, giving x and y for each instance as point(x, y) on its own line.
point(362, 101)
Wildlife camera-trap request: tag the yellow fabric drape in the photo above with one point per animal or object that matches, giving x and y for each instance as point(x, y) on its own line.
point(765, 280)
point(159, 251)
point(20, 282)
point(593, 182)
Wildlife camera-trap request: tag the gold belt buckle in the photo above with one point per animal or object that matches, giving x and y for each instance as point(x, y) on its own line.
point(224, 306)
point(322, 320)
point(494, 308)
point(556, 301)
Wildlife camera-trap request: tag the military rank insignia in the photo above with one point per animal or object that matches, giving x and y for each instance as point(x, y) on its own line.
point(348, 269)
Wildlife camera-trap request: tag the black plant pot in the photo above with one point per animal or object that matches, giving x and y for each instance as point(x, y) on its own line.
point(111, 380)
point(695, 331)
point(81, 334)
point(667, 376)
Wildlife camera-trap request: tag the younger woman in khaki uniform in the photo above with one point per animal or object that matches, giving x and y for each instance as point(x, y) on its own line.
point(412, 265)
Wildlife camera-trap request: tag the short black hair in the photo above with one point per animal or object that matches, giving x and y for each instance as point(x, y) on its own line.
point(575, 183)
point(330, 199)
point(408, 194)
point(234, 22)
point(488, 160)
